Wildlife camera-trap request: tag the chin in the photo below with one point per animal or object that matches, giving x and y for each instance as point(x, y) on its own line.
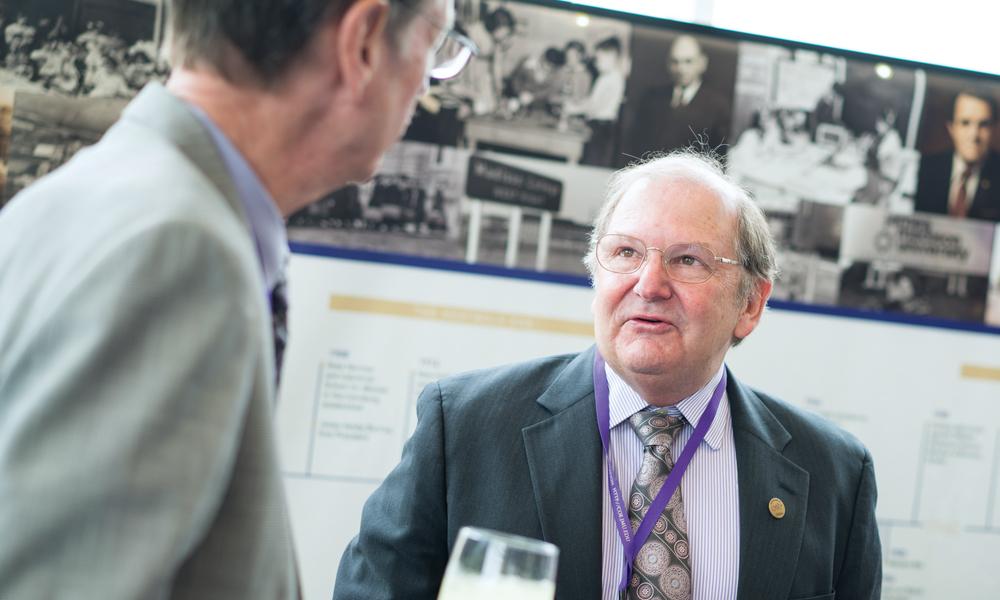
point(644, 361)
point(365, 172)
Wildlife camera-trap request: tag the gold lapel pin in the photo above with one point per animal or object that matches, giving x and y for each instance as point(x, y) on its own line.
point(776, 507)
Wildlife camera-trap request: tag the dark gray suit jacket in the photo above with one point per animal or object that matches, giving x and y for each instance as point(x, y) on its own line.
point(517, 449)
point(934, 186)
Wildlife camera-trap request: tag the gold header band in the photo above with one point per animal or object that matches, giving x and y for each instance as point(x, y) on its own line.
point(980, 372)
point(453, 314)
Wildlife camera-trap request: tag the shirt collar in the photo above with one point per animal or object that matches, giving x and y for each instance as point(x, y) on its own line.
point(266, 224)
point(688, 91)
point(623, 402)
point(958, 166)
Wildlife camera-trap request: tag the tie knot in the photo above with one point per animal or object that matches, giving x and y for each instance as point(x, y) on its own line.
point(656, 429)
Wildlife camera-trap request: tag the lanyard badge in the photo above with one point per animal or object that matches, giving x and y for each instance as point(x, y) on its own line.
point(633, 542)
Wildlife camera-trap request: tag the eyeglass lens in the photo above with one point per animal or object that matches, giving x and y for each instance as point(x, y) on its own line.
point(689, 263)
point(452, 56)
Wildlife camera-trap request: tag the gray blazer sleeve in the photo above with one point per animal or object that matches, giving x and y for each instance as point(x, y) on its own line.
point(124, 389)
point(402, 549)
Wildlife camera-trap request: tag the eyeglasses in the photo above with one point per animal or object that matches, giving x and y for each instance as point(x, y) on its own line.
point(452, 51)
point(687, 263)
point(451, 55)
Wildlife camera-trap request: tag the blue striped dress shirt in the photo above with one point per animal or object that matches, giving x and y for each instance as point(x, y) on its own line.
point(709, 490)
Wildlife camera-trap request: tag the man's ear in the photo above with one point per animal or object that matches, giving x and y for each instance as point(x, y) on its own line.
point(360, 43)
point(754, 308)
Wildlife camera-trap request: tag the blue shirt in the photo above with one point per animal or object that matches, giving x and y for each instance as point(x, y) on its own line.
point(266, 224)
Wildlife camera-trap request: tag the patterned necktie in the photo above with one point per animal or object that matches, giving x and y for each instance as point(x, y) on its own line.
point(662, 567)
point(961, 206)
point(279, 325)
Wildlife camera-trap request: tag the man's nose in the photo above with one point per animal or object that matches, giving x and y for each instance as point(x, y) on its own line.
point(653, 280)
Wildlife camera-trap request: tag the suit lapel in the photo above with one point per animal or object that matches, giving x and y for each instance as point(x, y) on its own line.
point(171, 119)
point(986, 202)
point(769, 546)
point(565, 464)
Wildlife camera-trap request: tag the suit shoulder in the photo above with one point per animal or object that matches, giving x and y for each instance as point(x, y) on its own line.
point(936, 160)
point(811, 429)
point(992, 163)
point(714, 97)
point(531, 376)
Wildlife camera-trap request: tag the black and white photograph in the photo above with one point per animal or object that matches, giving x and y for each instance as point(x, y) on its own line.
point(48, 129)
point(411, 206)
point(922, 265)
point(423, 202)
point(822, 127)
point(808, 252)
point(547, 83)
point(69, 68)
point(679, 94)
point(993, 295)
point(879, 287)
point(94, 48)
point(959, 173)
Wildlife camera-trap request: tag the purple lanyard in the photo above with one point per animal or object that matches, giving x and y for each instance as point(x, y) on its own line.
point(631, 543)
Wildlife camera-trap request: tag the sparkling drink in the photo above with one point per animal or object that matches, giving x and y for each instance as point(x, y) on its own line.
point(489, 565)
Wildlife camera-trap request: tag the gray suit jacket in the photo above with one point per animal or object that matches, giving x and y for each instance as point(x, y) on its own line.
point(517, 449)
point(136, 377)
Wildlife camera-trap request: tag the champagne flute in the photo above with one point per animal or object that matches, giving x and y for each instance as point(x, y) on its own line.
point(489, 565)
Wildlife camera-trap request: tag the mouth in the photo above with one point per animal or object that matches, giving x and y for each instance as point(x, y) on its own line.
point(648, 322)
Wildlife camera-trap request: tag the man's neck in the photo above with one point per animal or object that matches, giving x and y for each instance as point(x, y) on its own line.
point(263, 124)
point(965, 165)
point(664, 390)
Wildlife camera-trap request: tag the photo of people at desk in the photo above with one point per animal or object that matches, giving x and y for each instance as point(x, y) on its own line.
point(546, 83)
point(877, 180)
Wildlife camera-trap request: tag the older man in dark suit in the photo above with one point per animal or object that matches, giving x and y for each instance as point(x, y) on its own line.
point(586, 450)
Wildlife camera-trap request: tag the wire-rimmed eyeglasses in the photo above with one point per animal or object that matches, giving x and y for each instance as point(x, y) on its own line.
point(451, 55)
point(452, 50)
point(687, 263)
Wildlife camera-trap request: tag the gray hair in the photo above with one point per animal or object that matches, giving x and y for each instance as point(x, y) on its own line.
point(755, 248)
point(268, 34)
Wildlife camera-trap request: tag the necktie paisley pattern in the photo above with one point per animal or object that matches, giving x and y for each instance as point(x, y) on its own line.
point(662, 568)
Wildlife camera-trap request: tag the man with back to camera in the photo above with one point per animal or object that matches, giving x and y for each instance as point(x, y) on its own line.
point(774, 503)
point(685, 112)
point(137, 373)
point(964, 182)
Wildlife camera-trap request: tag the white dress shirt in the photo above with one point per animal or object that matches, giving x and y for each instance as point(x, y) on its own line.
point(709, 490)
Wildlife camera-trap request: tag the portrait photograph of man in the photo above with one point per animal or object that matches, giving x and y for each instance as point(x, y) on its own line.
point(960, 167)
point(680, 93)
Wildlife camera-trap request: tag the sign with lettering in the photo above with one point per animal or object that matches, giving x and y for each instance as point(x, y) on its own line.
point(497, 182)
point(930, 242)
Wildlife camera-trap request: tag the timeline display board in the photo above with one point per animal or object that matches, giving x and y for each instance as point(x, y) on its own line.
point(367, 336)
